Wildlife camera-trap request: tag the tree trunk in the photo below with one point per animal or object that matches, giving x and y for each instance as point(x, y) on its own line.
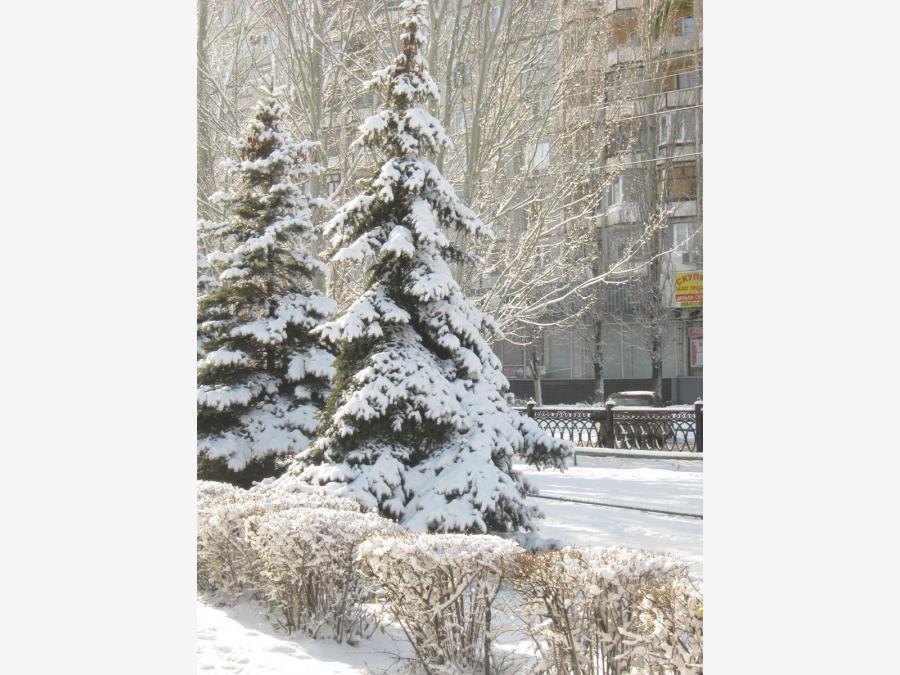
point(538, 398)
point(599, 393)
point(656, 370)
point(534, 365)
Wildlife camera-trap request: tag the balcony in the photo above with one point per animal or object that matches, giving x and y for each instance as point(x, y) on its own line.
point(681, 209)
point(682, 98)
point(621, 214)
point(622, 54)
point(612, 5)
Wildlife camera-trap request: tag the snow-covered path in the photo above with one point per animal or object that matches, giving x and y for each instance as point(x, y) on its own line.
point(663, 484)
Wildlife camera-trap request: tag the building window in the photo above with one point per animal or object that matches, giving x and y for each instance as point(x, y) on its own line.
point(678, 127)
point(364, 102)
point(558, 354)
point(684, 25)
point(513, 359)
point(679, 182)
point(462, 120)
point(543, 103)
point(681, 235)
point(538, 156)
point(613, 248)
point(333, 182)
point(687, 80)
point(618, 298)
point(685, 127)
point(616, 191)
point(463, 75)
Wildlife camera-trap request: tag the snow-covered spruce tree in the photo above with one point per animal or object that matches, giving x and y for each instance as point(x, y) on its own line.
point(418, 426)
point(263, 376)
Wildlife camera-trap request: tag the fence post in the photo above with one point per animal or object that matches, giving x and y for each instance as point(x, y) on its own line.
point(611, 438)
point(698, 424)
point(529, 408)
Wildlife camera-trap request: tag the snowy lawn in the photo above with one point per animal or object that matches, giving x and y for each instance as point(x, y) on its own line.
point(660, 484)
point(241, 640)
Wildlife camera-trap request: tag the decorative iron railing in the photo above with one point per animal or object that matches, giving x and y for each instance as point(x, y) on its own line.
point(669, 429)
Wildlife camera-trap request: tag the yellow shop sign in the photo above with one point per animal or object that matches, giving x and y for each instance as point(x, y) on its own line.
point(689, 289)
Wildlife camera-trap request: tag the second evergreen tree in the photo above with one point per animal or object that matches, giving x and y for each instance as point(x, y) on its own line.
point(418, 426)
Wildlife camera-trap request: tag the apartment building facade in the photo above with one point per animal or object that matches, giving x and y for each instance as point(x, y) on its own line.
point(651, 307)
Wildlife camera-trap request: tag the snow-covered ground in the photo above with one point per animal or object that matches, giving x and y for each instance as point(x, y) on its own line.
point(670, 485)
point(241, 640)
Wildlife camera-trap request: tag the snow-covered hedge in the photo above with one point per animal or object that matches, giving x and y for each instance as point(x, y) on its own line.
point(671, 626)
point(440, 588)
point(225, 561)
point(608, 611)
point(316, 561)
point(307, 569)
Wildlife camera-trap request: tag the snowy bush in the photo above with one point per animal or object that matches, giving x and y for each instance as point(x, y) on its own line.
point(441, 588)
point(670, 626)
point(210, 493)
point(282, 500)
point(603, 611)
point(307, 572)
point(225, 561)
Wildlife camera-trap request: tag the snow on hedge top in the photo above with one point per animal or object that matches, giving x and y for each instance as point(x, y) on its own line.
point(417, 554)
point(325, 533)
point(212, 495)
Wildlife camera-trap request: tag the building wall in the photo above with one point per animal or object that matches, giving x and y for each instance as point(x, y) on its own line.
point(676, 390)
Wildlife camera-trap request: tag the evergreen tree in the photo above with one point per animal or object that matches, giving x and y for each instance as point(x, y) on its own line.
point(419, 425)
point(262, 377)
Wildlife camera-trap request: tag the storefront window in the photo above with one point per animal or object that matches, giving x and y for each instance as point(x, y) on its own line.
point(513, 359)
point(695, 349)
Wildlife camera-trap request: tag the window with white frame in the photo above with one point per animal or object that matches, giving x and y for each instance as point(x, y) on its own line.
point(538, 155)
point(681, 235)
point(462, 120)
point(687, 125)
point(616, 190)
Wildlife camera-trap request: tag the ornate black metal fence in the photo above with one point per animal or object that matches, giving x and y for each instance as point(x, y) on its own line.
point(670, 429)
